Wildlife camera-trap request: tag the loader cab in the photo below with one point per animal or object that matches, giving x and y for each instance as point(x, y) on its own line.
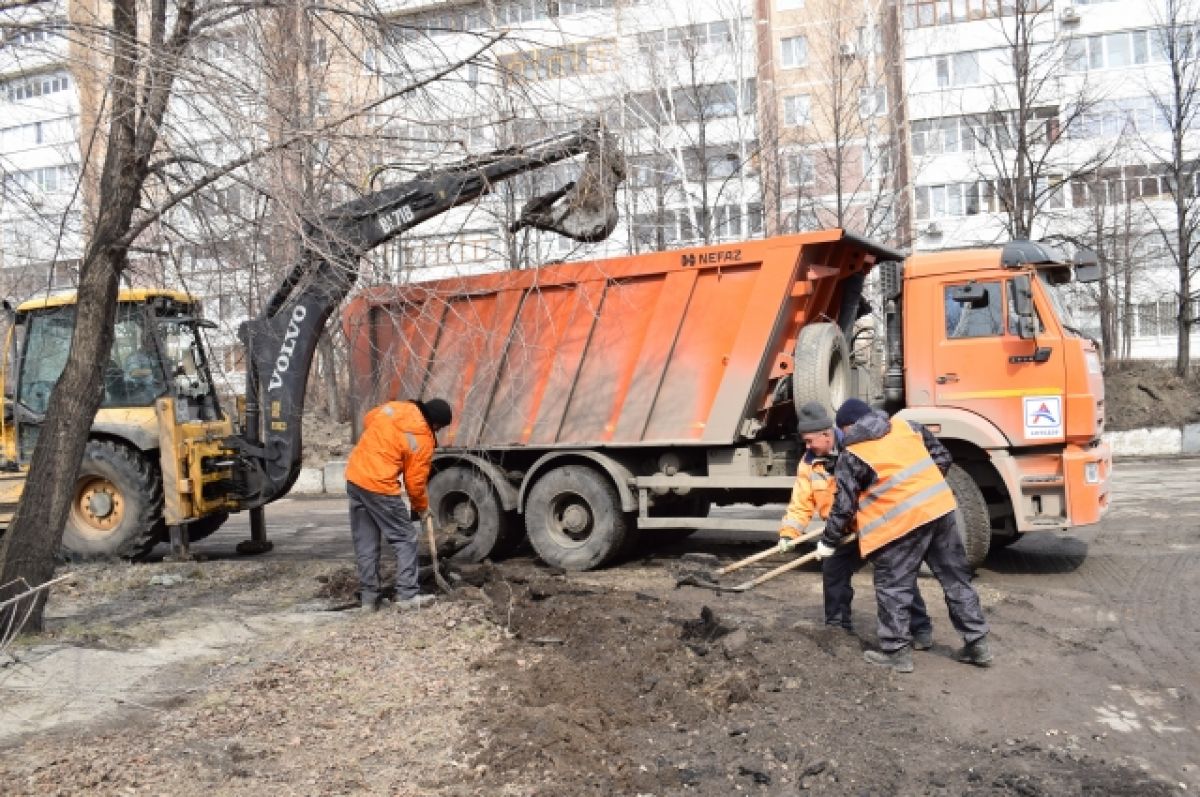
point(158, 349)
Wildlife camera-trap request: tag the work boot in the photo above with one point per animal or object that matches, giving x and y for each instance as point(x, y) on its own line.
point(922, 640)
point(369, 607)
point(899, 660)
point(415, 602)
point(977, 652)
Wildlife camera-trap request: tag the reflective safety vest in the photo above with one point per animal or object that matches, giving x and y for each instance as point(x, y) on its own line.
point(908, 490)
point(811, 494)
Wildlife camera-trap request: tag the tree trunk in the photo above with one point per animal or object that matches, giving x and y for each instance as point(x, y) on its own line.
point(35, 534)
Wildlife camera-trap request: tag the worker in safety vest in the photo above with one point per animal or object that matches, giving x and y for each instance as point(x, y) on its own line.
point(890, 488)
point(812, 494)
point(398, 439)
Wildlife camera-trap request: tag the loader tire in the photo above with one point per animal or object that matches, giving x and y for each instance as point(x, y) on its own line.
point(116, 510)
point(464, 500)
point(206, 526)
point(822, 367)
point(574, 518)
point(971, 517)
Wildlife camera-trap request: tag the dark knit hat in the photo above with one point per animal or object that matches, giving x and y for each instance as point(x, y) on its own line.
point(850, 411)
point(436, 411)
point(813, 417)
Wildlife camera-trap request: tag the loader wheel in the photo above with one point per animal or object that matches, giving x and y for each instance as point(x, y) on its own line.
point(462, 499)
point(822, 367)
point(574, 519)
point(117, 506)
point(206, 526)
point(971, 517)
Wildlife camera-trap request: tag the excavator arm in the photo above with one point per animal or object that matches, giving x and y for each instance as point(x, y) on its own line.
point(280, 342)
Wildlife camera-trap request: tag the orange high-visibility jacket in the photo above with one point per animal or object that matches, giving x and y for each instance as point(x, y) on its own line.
point(908, 490)
point(811, 494)
point(396, 441)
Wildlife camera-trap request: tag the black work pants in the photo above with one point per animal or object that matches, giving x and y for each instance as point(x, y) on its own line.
point(375, 517)
point(896, 566)
point(836, 574)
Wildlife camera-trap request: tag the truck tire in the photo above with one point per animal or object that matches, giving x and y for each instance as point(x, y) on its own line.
point(574, 519)
point(116, 510)
point(463, 499)
point(971, 517)
point(822, 367)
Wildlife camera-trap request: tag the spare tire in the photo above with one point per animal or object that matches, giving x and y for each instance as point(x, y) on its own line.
point(822, 367)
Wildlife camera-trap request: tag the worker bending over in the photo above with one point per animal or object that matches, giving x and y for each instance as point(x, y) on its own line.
point(891, 489)
point(812, 494)
point(398, 439)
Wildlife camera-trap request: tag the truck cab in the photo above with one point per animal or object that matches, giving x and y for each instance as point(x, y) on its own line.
point(995, 367)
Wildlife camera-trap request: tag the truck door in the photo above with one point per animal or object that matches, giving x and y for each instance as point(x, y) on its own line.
point(981, 364)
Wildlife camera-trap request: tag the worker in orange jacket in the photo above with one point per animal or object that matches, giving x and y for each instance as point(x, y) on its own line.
point(891, 489)
point(812, 494)
point(398, 439)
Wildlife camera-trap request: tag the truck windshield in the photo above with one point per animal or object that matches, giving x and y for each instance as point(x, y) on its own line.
point(1062, 307)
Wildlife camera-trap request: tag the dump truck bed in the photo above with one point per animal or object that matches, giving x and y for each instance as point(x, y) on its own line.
point(668, 348)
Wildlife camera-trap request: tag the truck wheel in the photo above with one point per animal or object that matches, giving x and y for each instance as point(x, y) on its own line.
point(822, 367)
point(971, 517)
point(462, 499)
point(574, 519)
point(117, 506)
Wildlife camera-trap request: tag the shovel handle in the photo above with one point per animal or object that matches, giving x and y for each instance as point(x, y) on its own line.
point(433, 555)
point(749, 560)
point(792, 565)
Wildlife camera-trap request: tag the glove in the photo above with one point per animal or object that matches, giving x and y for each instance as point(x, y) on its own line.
point(786, 544)
point(824, 550)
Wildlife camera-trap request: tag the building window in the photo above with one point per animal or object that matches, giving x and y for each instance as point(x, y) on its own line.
point(1124, 48)
point(1112, 118)
point(872, 102)
point(798, 167)
point(797, 110)
point(794, 52)
point(958, 69)
point(789, 5)
point(925, 13)
point(36, 86)
point(947, 201)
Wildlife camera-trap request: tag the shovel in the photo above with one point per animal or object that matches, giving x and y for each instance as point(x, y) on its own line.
point(770, 574)
point(709, 579)
point(442, 583)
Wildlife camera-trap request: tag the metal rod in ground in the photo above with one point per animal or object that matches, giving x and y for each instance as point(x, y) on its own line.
point(443, 585)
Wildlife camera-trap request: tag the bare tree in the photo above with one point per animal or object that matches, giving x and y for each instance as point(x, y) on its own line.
point(1020, 139)
point(1177, 99)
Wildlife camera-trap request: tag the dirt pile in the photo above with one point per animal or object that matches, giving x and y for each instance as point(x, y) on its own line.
point(525, 682)
point(1141, 395)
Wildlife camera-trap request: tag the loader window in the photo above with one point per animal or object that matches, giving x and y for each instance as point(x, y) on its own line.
point(979, 319)
point(47, 344)
point(133, 376)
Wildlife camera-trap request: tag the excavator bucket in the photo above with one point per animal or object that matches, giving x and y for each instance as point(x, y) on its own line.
point(585, 209)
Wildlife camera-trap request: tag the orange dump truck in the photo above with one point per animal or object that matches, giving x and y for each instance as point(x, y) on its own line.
point(599, 401)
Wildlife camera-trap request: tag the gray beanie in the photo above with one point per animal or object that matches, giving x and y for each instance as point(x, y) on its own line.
point(813, 417)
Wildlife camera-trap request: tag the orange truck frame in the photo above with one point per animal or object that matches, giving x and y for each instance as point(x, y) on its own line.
point(597, 402)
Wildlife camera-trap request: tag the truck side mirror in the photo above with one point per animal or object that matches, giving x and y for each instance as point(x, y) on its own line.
point(1087, 266)
point(1022, 298)
point(972, 295)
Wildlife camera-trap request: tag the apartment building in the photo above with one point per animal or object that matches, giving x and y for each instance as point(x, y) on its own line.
point(1050, 119)
point(898, 118)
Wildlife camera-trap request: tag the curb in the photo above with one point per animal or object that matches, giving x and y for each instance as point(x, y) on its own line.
point(1163, 441)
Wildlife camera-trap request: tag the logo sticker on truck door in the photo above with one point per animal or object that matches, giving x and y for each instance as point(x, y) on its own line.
point(1043, 417)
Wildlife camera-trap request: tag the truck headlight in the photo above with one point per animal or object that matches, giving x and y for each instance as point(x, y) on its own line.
point(1091, 472)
